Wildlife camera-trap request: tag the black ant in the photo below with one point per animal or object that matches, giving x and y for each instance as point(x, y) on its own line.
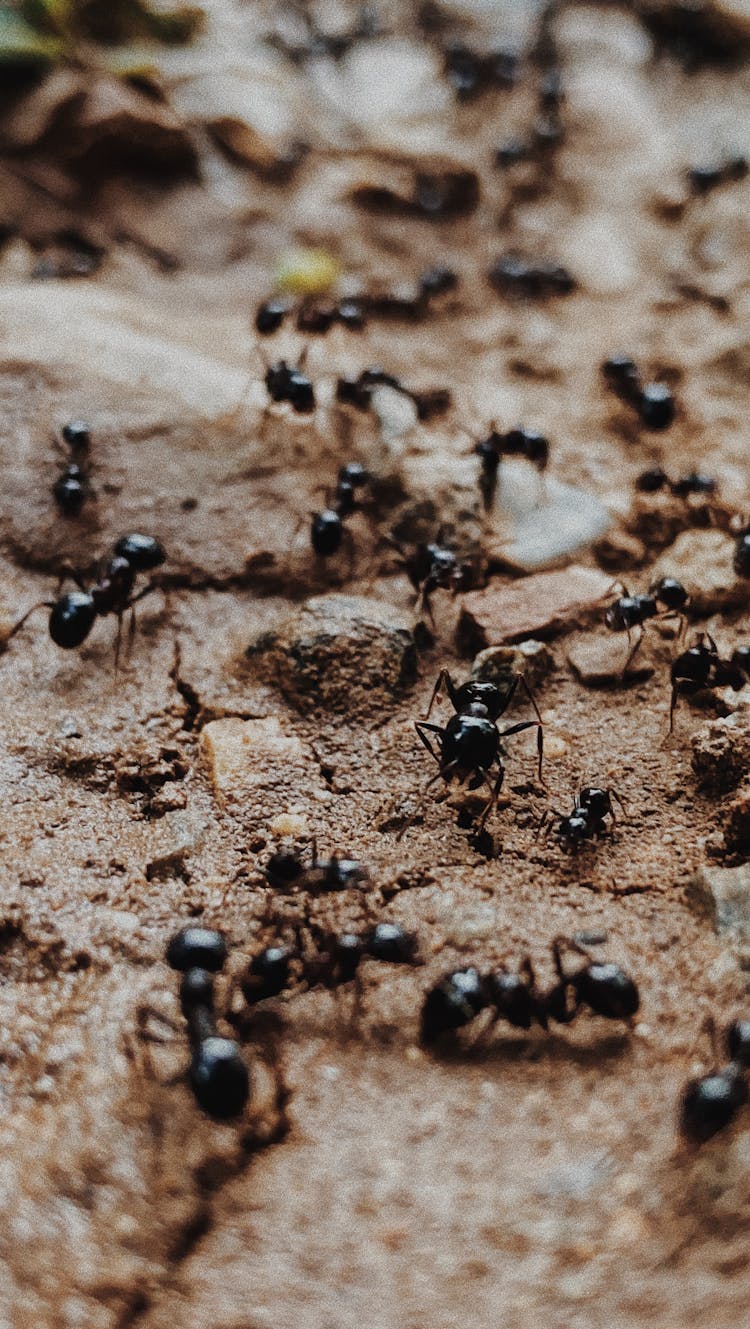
point(547, 132)
point(587, 821)
point(702, 179)
point(655, 479)
point(431, 567)
point(218, 1075)
point(313, 315)
point(327, 529)
point(710, 1102)
point(471, 743)
point(333, 960)
point(701, 666)
point(71, 489)
point(434, 195)
point(288, 383)
point(517, 442)
point(470, 73)
point(665, 598)
point(516, 997)
point(288, 871)
point(514, 275)
point(357, 392)
point(654, 402)
point(73, 615)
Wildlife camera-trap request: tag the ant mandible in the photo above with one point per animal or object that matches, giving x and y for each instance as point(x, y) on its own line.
point(701, 666)
point(471, 743)
point(516, 997)
point(591, 807)
point(72, 616)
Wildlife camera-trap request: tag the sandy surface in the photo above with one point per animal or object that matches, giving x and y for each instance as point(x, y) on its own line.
point(533, 1180)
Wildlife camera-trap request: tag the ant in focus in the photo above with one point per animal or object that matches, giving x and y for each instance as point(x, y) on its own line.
point(471, 743)
point(519, 442)
point(701, 667)
point(587, 821)
point(327, 529)
point(72, 616)
point(287, 871)
point(709, 1103)
point(654, 402)
point(517, 998)
point(667, 598)
point(71, 489)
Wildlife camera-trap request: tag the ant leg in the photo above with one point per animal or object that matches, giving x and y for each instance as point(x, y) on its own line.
point(41, 604)
point(443, 677)
point(424, 602)
point(493, 797)
point(352, 550)
point(118, 643)
point(419, 725)
point(540, 731)
point(529, 724)
point(672, 705)
point(632, 652)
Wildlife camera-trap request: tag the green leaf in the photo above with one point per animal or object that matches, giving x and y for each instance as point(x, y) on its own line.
point(20, 44)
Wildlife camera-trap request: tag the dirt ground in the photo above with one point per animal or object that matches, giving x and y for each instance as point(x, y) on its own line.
point(531, 1179)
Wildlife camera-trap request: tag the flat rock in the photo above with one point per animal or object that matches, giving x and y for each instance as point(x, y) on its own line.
point(539, 522)
point(254, 760)
point(724, 893)
point(598, 660)
point(342, 652)
point(536, 606)
point(702, 561)
point(498, 664)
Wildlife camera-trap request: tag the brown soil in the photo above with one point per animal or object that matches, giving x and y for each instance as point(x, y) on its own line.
point(533, 1180)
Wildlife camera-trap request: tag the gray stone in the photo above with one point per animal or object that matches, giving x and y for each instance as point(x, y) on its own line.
point(340, 652)
point(538, 522)
point(498, 664)
point(599, 660)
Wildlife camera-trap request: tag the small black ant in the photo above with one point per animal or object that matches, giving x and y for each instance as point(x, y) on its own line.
point(431, 567)
point(357, 392)
point(286, 383)
point(655, 479)
point(514, 275)
point(517, 442)
point(73, 615)
point(411, 303)
point(313, 315)
point(516, 997)
point(470, 73)
point(702, 179)
point(665, 598)
point(654, 402)
point(327, 528)
point(701, 666)
point(434, 196)
point(71, 489)
point(334, 959)
point(218, 1075)
point(587, 821)
point(471, 743)
point(710, 1102)
point(288, 871)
